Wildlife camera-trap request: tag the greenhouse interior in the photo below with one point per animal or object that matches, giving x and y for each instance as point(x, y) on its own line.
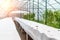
point(29, 19)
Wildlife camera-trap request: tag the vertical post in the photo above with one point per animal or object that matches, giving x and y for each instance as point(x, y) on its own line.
point(46, 11)
point(29, 9)
point(38, 11)
point(33, 9)
point(27, 5)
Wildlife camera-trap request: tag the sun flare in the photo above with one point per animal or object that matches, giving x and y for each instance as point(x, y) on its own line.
point(6, 6)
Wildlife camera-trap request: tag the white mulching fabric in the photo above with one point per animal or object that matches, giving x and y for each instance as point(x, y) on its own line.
point(42, 32)
point(8, 30)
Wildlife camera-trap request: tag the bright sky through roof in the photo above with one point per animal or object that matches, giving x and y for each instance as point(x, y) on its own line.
point(6, 6)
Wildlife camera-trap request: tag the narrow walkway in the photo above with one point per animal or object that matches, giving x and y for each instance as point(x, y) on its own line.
point(8, 30)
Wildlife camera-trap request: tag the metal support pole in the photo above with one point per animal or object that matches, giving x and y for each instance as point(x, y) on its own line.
point(38, 11)
point(29, 8)
point(46, 11)
point(33, 8)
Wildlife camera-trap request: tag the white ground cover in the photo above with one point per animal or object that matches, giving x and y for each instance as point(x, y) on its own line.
point(8, 30)
point(39, 31)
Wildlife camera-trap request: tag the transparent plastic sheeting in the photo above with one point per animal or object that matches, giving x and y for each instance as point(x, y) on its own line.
point(39, 31)
point(8, 30)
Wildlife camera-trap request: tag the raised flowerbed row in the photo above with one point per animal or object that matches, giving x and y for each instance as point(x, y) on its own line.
point(52, 19)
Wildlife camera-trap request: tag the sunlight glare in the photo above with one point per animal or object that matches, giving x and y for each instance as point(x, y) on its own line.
point(5, 6)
